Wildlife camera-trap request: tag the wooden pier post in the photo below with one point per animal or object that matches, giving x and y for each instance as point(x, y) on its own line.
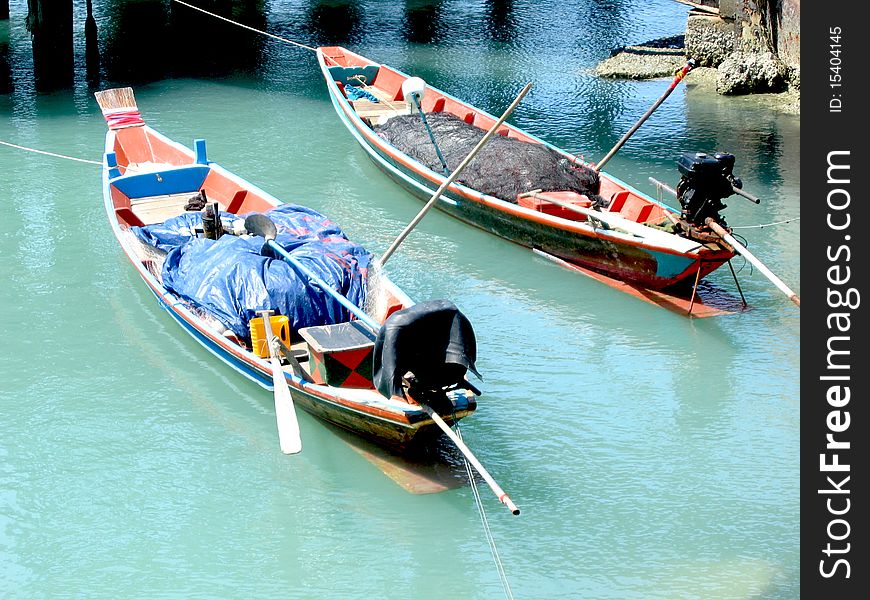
point(92, 48)
point(5, 67)
point(50, 23)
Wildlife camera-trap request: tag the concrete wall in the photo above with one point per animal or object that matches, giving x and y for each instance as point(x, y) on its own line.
point(789, 40)
point(766, 24)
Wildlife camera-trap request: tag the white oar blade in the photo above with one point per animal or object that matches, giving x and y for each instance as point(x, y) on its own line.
point(285, 413)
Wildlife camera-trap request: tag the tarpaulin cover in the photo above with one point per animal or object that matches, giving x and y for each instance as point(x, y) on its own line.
point(432, 339)
point(232, 279)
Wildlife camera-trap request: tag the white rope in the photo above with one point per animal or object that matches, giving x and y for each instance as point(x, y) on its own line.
point(84, 160)
point(766, 224)
point(64, 156)
point(489, 537)
point(277, 37)
point(663, 187)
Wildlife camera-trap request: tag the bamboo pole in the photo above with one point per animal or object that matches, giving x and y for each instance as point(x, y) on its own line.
point(677, 78)
point(741, 249)
point(447, 182)
point(495, 487)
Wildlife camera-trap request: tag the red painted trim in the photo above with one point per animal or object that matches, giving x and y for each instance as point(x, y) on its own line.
point(180, 155)
point(500, 205)
point(129, 216)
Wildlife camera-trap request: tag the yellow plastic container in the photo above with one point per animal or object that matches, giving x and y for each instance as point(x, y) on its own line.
point(280, 327)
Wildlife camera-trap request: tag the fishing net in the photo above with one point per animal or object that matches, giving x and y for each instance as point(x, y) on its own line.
point(505, 167)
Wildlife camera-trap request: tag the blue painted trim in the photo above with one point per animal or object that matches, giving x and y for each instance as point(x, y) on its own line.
point(669, 266)
point(200, 155)
point(342, 73)
point(169, 181)
point(112, 164)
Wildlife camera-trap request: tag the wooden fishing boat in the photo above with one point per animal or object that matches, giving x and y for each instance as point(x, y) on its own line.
point(630, 243)
point(149, 179)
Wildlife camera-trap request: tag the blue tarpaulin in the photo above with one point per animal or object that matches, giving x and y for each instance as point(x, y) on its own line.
point(232, 278)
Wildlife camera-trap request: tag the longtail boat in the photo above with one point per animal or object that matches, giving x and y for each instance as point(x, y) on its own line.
point(613, 233)
point(157, 189)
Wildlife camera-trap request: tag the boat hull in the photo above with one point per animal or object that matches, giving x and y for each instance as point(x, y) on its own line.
point(398, 433)
point(596, 248)
point(654, 269)
point(392, 423)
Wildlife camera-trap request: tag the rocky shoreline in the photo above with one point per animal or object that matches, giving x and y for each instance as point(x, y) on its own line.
point(656, 58)
point(725, 64)
point(704, 80)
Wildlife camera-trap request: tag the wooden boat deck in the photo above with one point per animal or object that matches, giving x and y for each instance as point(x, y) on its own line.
point(380, 112)
point(156, 209)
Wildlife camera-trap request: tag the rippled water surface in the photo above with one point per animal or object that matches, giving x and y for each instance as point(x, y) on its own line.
point(653, 456)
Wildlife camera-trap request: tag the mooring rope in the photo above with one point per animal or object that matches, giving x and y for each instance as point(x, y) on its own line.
point(663, 187)
point(766, 224)
point(489, 537)
point(76, 159)
point(277, 37)
point(84, 160)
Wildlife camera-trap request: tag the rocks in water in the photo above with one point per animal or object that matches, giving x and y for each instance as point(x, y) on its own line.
point(793, 74)
point(656, 58)
point(744, 65)
point(750, 73)
point(733, 52)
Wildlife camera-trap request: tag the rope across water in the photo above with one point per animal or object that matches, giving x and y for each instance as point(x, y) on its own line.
point(84, 160)
point(490, 539)
point(277, 37)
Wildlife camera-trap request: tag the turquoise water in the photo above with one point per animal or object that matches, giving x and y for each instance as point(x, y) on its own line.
point(653, 456)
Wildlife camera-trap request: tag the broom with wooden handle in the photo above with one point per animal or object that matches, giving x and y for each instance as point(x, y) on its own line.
point(119, 108)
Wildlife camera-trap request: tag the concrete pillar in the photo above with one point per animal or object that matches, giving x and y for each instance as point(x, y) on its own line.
point(422, 22)
point(92, 49)
point(5, 67)
point(50, 23)
point(789, 39)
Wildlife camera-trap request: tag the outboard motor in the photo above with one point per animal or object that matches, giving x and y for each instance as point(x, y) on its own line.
point(705, 181)
point(425, 350)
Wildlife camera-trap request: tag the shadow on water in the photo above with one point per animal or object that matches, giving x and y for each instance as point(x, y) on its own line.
point(501, 23)
point(5, 63)
point(197, 46)
point(145, 41)
point(422, 22)
point(333, 22)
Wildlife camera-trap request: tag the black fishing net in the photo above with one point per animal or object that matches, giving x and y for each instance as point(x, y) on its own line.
point(504, 168)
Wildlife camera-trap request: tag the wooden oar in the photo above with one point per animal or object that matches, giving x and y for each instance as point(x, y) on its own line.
point(401, 237)
point(741, 249)
point(677, 78)
point(262, 225)
point(285, 411)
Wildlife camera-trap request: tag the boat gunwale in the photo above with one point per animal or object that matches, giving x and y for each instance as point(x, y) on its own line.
point(410, 419)
point(583, 228)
